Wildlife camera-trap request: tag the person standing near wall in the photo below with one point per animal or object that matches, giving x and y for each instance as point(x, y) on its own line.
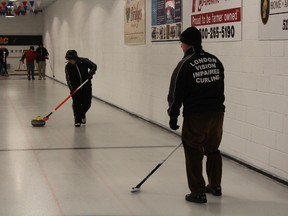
point(197, 83)
point(77, 71)
point(4, 53)
point(42, 55)
point(30, 56)
point(1, 63)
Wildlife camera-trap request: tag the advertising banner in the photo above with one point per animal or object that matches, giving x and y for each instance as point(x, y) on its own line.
point(166, 20)
point(273, 20)
point(134, 22)
point(218, 20)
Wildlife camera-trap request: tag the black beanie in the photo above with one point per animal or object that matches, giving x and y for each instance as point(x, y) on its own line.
point(191, 36)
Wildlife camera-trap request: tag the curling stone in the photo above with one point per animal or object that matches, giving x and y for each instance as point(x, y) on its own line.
point(38, 122)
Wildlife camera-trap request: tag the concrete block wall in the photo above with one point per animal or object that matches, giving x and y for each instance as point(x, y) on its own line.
point(136, 78)
point(257, 99)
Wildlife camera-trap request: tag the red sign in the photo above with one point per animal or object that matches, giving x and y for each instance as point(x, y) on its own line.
point(217, 17)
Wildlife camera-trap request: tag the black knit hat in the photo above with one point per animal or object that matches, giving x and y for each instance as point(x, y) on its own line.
point(71, 54)
point(191, 36)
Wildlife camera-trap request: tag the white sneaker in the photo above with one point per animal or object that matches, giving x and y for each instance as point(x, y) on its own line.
point(84, 120)
point(77, 124)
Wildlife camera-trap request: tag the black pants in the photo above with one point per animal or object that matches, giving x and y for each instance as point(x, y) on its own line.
point(81, 102)
point(30, 68)
point(201, 135)
point(2, 68)
point(5, 67)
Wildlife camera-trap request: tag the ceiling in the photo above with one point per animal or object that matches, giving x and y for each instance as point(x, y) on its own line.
point(44, 4)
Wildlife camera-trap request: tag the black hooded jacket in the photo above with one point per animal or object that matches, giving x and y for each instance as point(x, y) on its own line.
point(197, 83)
point(42, 54)
point(79, 72)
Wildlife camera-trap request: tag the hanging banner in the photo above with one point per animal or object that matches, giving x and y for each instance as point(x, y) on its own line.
point(273, 20)
point(24, 3)
point(17, 7)
point(166, 20)
point(218, 20)
point(134, 23)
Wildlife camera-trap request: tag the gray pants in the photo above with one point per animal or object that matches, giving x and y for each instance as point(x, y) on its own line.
point(41, 69)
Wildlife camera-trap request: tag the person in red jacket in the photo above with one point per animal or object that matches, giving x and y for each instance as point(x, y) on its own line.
point(30, 56)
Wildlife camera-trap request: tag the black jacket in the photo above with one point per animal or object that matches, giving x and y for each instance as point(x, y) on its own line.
point(78, 73)
point(198, 83)
point(42, 54)
point(4, 53)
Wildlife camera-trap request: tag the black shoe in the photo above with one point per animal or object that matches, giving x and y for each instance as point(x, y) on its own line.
point(33, 78)
point(196, 197)
point(28, 78)
point(77, 124)
point(216, 191)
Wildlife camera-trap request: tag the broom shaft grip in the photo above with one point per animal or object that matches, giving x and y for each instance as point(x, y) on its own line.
point(69, 96)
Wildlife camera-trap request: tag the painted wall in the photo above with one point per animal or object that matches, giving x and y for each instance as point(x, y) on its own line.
point(136, 78)
point(24, 25)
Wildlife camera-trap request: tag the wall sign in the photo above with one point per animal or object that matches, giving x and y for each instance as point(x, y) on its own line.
point(218, 20)
point(20, 40)
point(166, 20)
point(273, 20)
point(134, 22)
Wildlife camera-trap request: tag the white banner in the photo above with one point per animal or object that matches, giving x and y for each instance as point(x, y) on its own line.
point(218, 20)
point(273, 20)
point(134, 22)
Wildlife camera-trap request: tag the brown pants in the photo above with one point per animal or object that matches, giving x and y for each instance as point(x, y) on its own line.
point(201, 135)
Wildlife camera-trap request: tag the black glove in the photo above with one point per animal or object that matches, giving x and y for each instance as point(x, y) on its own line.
point(173, 123)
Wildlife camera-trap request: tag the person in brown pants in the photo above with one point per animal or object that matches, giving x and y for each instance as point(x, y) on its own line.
point(197, 83)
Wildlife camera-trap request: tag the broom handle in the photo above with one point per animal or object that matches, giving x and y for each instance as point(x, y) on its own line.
point(158, 165)
point(67, 98)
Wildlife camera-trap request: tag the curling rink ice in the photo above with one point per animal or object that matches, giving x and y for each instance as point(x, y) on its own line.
point(60, 170)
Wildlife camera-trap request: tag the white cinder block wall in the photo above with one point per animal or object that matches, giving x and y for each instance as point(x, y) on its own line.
point(136, 78)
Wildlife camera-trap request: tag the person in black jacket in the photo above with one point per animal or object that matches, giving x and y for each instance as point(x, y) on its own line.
point(4, 53)
point(78, 70)
point(42, 55)
point(197, 83)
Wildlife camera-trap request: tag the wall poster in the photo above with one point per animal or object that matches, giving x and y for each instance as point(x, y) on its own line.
point(134, 22)
point(166, 20)
point(218, 20)
point(273, 20)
